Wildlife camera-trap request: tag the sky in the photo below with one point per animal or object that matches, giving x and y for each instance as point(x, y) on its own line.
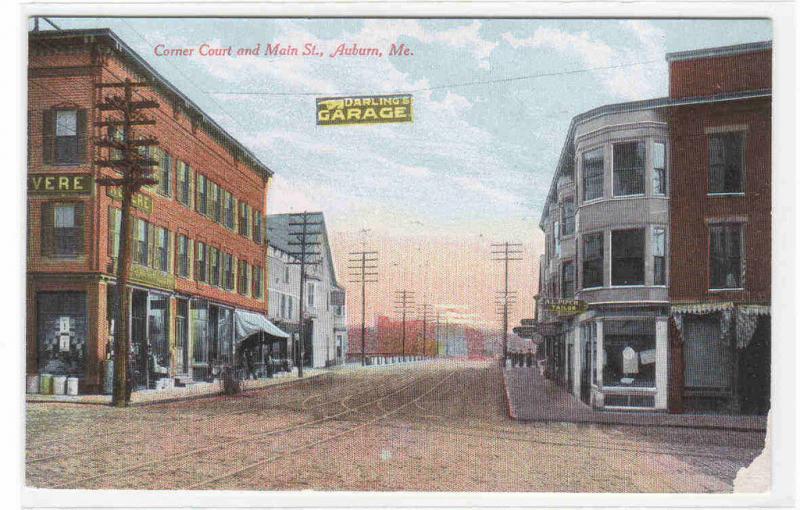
point(493, 100)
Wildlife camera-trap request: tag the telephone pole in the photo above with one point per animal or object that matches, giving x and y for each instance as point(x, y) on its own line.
point(365, 263)
point(506, 252)
point(129, 157)
point(424, 309)
point(404, 305)
point(303, 235)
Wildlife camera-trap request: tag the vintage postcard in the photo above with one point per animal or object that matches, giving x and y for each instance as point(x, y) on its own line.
point(429, 254)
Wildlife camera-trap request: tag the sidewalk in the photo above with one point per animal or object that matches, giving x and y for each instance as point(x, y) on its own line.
point(531, 397)
point(192, 391)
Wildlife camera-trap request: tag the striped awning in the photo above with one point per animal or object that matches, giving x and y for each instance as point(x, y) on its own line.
point(701, 308)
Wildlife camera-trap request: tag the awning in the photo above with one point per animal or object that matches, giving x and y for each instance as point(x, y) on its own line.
point(249, 323)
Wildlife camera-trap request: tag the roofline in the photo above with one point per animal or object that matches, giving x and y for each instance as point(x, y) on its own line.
point(129, 53)
point(720, 51)
point(648, 104)
point(328, 250)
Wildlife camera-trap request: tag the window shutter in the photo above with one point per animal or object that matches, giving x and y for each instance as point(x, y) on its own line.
point(48, 236)
point(234, 263)
point(151, 245)
point(189, 258)
point(170, 252)
point(80, 209)
point(235, 215)
point(191, 188)
point(81, 132)
point(49, 136)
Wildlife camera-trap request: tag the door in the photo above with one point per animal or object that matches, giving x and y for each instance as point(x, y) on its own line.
point(586, 371)
point(139, 345)
point(181, 336)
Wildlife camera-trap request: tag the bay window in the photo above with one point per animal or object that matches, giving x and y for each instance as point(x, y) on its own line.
point(629, 162)
point(627, 257)
point(592, 174)
point(659, 256)
point(593, 260)
point(659, 169)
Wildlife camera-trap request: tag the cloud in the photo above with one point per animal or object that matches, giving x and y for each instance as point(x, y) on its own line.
point(496, 195)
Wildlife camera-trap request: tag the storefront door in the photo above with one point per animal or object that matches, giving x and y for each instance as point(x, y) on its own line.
point(139, 347)
point(181, 336)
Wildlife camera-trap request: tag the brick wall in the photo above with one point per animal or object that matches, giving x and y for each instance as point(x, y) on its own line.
point(718, 75)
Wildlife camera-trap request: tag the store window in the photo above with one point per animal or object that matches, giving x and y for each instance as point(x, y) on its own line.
point(629, 159)
point(199, 330)
point(627, 257)
point(629, 353)
point(568, 280)
point(568, 217)
point(593, 260)
point(708, 359)
point(62, 229)
point(726, 247)
point(726, 162)
point(158, 331)
point(62, 332)
point(659, 256)
point(659, 169)
point(592, 174)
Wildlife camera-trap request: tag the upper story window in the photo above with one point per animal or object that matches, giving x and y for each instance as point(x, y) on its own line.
point(659, 256)
point(162, 249)
point(141, 242)
point(62, 229)
point(286, 274)
point(164, 174)
point(627, 257)
point(310, 296)
point(659, 169)
point(213, 265)
point(201, 199)
point(593, 260)
point(184, 181)
point(64, 137)
point(183, 256)
point(556, 239)
point(230, 210)
point(228, 271)
point(726, 248)
point(592, 169)
point(257, 282)
point(726, 162)
point(244, 277)
point(568, 217)
point(629, 158)
point(283, 306)
point(214, 211)
point(200, 262)
point(258, 226)
point(114, 225)
point(568, 280)
point(244, 219)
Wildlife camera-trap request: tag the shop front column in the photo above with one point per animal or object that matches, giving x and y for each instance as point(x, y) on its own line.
point(599, 358)
point(662, 349)
point(577, 350)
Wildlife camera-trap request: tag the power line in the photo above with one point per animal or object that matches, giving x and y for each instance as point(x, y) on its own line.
point(365, 265)
point(446, 86)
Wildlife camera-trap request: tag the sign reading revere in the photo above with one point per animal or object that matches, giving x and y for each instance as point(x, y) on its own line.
point(140, 200)
point(564, 306)
point(73, 184)
point(338, 111)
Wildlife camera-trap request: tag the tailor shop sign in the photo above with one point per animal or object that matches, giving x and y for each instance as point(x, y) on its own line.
point(140, 200)
point(342, 111)
point(565, 307)
point(61, 184)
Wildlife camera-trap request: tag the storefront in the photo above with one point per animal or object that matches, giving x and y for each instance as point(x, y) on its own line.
point(62, 333)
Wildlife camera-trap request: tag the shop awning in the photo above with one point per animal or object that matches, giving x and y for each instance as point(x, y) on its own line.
point(250, 323)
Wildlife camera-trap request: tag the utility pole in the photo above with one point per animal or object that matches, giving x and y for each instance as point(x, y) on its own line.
point(365, 263)
point(404, 305)
point(424, 309)
point(506, 252)
point(303, 232)
point(128, 156)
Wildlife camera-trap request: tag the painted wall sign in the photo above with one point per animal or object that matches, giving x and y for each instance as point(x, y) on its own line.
point(338, 111)
point(140, 201)
point(71, 184)
point(152, 277)
point(565, 306)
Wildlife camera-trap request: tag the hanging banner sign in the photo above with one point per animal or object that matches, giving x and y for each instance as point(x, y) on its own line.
point(140, 200)
point(564, 306)
point(341, 111)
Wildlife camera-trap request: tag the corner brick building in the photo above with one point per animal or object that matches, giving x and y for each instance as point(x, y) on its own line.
point(720, 150)
point(199, 247)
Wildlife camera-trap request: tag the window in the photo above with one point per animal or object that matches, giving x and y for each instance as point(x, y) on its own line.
point(244, 219)
point(568, 280)
point(310, 294)
point(726, 162)
point(219, 203)
point(114, 227)
point(659, 169)
point(183, 183)
point(659, 257)
point(213, 200)
point(726, 248)
point(593, 260)
point(556, 239)
point(285, 274)
point(283, 306)
point(201, 202)
point(593, 174)
point(257, 226)
point(165, 174)
point(162, 249)
point(200, 262)
point(627, 257)
point(289, 306)
point(629, 353)
point(629, 168)
point(230, 210)
point(64, 137)
point(228, 268)
point(257, 282)
point(213, 266)
point(244, 277)
point(62, 229)
point(183, 256)
point(141, 242)
point(568, 217)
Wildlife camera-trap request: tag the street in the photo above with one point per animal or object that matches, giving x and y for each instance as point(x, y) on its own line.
point(429, 426)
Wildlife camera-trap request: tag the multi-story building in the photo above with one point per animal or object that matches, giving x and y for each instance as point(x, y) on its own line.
point(720, 149)
point(655, 209)
point(283, 292)
point(324, 313)
point(198, 249)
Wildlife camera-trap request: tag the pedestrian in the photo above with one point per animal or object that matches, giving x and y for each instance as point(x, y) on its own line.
point(529, 359)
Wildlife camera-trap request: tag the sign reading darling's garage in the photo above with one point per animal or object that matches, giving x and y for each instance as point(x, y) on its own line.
point(339, 111)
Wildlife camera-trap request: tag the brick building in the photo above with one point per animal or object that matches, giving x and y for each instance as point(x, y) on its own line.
point(720, 151)
point(199, 250)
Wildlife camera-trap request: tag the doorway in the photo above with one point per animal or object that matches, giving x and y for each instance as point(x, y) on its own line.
point(181, 336)
point(139, 345)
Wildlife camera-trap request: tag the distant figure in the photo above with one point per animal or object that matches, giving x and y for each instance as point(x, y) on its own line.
point(270, 368)
point(529, 359)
